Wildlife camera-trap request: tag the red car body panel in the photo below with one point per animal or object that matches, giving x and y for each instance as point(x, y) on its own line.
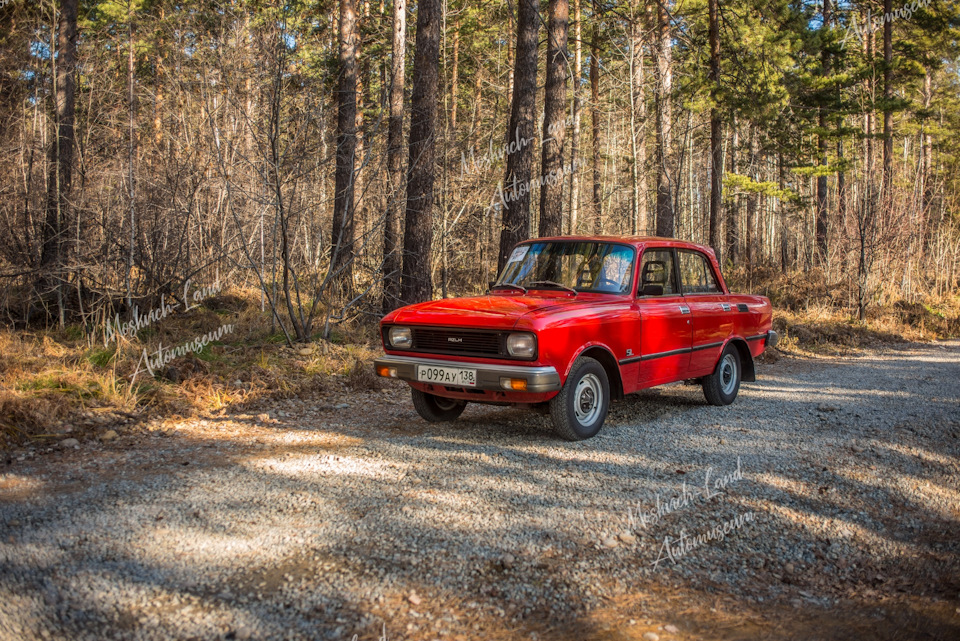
point(650, 339)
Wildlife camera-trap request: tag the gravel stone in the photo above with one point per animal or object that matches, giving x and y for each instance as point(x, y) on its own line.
point(360, 518)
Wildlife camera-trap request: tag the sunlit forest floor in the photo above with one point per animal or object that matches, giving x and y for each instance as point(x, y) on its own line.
point(56, 384)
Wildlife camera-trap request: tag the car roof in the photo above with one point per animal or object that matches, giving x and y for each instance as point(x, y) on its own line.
point(638, 241)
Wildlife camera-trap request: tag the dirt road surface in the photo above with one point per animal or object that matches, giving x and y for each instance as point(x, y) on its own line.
point(823, 504)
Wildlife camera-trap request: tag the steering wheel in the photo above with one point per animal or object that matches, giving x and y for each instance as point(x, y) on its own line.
point(601, 281)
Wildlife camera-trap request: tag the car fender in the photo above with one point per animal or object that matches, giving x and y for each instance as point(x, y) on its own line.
point(602, 353)
point(748, 370)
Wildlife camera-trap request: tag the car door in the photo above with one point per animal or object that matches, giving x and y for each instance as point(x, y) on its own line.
point(712, 317)
point(665, 329)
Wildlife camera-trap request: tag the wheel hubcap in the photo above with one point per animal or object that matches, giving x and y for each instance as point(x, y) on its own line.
point(728, 374)
point(588, 399)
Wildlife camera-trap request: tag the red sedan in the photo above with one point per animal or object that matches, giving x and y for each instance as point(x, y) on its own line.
point(575, 322)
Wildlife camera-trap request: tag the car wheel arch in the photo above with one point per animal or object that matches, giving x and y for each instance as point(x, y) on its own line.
point(605, 357)
point(747, 366)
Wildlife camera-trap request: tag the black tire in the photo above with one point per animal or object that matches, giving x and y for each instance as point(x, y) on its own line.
point(580, 408)
point(721, 387)
point(437, 409)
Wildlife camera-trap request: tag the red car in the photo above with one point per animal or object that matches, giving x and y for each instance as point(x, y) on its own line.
point(575, 322)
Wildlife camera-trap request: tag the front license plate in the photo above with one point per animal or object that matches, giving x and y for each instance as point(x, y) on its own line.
point(455, 376)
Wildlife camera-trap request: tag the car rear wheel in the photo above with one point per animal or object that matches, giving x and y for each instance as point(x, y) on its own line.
point(437, 409)
point(721, 387)
point(580, 408)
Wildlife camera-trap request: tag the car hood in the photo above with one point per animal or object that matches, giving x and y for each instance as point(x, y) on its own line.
point(493, 310)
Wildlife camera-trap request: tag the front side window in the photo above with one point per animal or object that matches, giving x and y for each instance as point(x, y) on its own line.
point(657, 273)
point(605, 268)
point(696, 275)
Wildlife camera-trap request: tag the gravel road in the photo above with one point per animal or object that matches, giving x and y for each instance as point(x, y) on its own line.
point(823, 504)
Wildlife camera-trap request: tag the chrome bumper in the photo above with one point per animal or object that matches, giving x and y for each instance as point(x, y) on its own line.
point(772, 339)
point(539, 379)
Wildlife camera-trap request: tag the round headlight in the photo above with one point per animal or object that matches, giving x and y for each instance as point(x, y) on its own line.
point(522, 345)
point(400, 337)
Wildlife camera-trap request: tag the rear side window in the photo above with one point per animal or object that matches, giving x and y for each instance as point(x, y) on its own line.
point(657, 268)
point(696, 275)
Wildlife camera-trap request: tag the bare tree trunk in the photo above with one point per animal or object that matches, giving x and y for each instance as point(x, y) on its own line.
point(716, 131)
point(574, 207)
point(665, 162)
point(58, 211)
point(595, 121)
point(455, 75)
point(750, 223)
point(841, 179)
point(417, 283)
point(821, 221)
point(554, 121)
point(131, 156)
point(733, 233)
point(394, 213)
point(866, 211)
point(341, 263)
point(636, 84)
point(515, 194)
point(784, 238)
point(927, 142)
point(158, 87)
point(887, 110)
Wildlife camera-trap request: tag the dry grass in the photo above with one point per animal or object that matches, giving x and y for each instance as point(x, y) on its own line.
point(56, 384)
point(814, 315)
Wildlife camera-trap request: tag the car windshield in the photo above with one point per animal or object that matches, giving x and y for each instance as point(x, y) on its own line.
point(579, 266)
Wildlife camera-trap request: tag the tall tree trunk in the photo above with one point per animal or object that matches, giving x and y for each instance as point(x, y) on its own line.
point(394, 213)
point(665, 162)
point(841, 179)
point(784, 238)
point(455, 75)
point(343, 205)
point(417, 282)
point(574, 207)
point(927, 142)
point(821, 222)
point(887, 110)
point(554, 121)
point(636, 86)
point(716, 130)
point(515, 194)
point(595, 121)
point(132, 154)
point(750, 224)
point(58, 211)
point(733, 233)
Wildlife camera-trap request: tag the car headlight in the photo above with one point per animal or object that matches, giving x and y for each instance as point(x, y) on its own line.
point(400, 337)
point(522, 345)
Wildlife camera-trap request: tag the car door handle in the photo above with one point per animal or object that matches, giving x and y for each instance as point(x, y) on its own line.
point(684, 309)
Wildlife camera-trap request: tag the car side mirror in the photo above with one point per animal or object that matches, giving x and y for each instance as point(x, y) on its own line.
point(491, 284)
point(652, 290)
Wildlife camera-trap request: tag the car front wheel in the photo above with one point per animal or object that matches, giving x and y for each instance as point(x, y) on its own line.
point(721, 387)
point(437, 409)
point(580, 408)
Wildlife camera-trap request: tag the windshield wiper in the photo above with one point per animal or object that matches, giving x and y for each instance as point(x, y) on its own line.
point(509, 285)
point(553, 284)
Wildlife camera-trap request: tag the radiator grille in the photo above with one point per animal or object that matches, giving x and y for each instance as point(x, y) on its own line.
point(459, 342)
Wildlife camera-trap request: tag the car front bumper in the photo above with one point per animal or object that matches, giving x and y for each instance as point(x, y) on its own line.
point(489, 376)
point(772, 339)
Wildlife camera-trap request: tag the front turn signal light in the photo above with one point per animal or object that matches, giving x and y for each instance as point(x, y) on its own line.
point(514, 384)
point(387, 372)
